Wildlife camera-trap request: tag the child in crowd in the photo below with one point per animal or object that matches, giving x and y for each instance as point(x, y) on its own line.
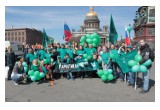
point(67, 60)
point(105, 58)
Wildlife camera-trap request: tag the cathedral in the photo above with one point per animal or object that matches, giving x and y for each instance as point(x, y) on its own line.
point(91, 25)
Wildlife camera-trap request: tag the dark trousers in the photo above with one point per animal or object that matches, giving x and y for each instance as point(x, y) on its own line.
point(10, 71)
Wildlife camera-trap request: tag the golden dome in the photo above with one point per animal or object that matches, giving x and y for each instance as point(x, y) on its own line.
point(91, 13)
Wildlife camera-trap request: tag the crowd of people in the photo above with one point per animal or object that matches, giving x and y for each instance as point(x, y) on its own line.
point(57, 54)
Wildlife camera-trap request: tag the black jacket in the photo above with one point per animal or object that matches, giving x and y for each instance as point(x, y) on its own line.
point(10, 58)
point(145, 51)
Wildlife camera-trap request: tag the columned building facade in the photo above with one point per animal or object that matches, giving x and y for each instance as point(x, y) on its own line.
point(91, 25)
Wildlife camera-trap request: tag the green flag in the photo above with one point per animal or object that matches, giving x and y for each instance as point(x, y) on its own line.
point(113, 35)
point(45, 39)
point(122, 60)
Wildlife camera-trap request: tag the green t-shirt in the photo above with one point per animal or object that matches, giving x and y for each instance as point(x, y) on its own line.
point(78, 52)
point(115, 52)
point(35, 67)
point(105, 57)
point(30, 56)
point(70, 52)
point(62, 53)
point(41, 54)
point(90, 51)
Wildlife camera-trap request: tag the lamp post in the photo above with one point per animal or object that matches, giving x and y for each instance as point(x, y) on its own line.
point(129, 28)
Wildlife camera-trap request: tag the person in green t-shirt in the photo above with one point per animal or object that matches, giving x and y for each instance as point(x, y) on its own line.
point(35, 66)
point(62, 51)
point(80, 51)
point(114, 65)
point(41, 54)
point(70, 51)
point(105, 58)
point(90, 51)
point(30, 57)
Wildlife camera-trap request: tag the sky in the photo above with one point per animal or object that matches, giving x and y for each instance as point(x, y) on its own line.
point(52, 18)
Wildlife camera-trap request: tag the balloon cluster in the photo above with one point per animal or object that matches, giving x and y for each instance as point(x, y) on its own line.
point(93, 39)
point(135, 64)
point(88, 57)
point(105, 74)
point(25, 66)
point(35, 75)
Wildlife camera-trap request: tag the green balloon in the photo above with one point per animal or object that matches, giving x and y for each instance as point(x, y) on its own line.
point(132, 63)
point(110, 71)
point(94, 44)
point(95, 41)
point(90, 41)
point(24, 64)
point(100, 73)
point(84, 56)
point(104, 78)
point(38, 77)
point(89, 57)
point(33, 78)
point(110, 77)
point(42, 74)
point(143, 68)
point(135, 68)
point(111, 56)
point(31, 72)
point(36, 73)
point(88, 36)
point(138, 58)
point(106, 73)
point(25, 69)
point(147, 63)
point(82, 39)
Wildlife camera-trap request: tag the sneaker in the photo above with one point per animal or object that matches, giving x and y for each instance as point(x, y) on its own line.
point(143, 91)
point(15, 83)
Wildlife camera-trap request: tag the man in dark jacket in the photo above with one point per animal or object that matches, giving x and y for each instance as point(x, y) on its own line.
point(145, 51)
point(10, 60)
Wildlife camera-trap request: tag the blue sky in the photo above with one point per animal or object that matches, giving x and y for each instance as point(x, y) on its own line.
point(52, 18)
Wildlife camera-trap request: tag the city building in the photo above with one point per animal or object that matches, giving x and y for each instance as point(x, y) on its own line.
point(91, 25)
point(144, 25)
point(24, 35)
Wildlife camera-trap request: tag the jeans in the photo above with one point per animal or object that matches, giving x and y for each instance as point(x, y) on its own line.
point(114, 67)
point(16, 77)
point(69, 75)
point(131, 78)
point(146, 80)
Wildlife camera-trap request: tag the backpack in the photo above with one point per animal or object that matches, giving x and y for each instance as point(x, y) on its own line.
point(151, 54)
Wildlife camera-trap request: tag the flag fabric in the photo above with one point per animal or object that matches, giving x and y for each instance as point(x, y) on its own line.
point(67, 33)
point(122, 60)
point(113, 35)
point(127, 40)
point(45, 39)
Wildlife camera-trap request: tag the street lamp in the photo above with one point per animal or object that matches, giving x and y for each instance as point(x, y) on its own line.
point(129, 28)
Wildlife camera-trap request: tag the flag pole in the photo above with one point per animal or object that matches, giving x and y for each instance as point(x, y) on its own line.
point(135, 86)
